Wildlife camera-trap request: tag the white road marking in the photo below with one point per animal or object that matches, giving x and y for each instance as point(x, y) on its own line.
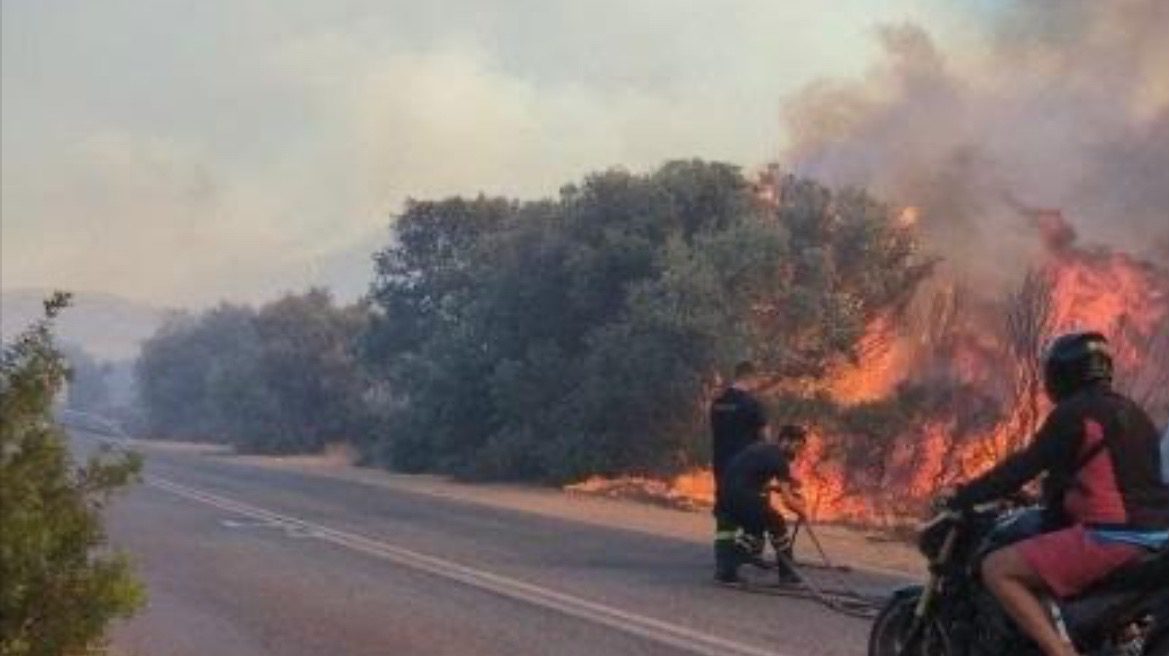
point(289, 530)
point(649, 628)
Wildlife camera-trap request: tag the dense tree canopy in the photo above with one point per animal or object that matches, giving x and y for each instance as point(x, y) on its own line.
point(547, 339)
point(565, 337)
point(283, 378)
point(190, 364)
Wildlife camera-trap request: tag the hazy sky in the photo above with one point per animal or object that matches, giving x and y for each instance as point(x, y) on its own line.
point(182, 152)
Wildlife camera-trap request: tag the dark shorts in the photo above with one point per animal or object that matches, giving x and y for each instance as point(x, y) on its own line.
point(1071, 560)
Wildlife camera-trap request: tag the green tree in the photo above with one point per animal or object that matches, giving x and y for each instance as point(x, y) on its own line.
point(59, 584)
point(843, 260)
point(307, 387)
point(179, 364)
point(281, 379)
point(556, 338)
point(644, 375)
point(420, 277)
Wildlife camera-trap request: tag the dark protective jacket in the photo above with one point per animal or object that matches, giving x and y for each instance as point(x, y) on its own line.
point(1102, 457)
point(736, 421)
point(749, 473)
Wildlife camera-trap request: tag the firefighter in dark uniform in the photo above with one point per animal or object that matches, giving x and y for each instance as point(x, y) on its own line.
point(748, 482)
point(737, 420)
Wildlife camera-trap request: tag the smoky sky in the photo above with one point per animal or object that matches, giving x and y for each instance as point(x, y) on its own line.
point(184, 152)
point(1065, 105)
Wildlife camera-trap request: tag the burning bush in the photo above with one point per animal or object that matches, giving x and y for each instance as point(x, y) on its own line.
point(573, 337)
point(950, 384)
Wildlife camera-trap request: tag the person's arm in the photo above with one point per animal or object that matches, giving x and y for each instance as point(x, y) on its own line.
point(791, 498)
point(1059, 436)
point(785, 486)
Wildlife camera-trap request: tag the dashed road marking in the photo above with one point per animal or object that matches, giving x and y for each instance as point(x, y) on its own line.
point(667, 633)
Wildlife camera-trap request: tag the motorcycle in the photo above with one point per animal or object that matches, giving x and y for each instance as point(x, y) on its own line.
point(954, 615)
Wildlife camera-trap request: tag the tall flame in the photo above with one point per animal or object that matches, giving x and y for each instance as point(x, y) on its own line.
point(1090, 288)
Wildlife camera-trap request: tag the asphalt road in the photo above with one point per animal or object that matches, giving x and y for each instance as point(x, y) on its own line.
point(246, 560)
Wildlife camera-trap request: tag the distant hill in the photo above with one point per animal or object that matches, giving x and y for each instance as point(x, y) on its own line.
point(106, 326)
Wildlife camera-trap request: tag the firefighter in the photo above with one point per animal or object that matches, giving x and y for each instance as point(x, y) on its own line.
point(737, 420)
point(750, 478)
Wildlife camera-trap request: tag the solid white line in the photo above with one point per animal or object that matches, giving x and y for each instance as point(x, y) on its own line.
point(639, 625)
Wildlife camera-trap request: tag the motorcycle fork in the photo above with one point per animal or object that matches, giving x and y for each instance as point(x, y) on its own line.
point(1056, 614)
point(932, 587)
point(920, 611)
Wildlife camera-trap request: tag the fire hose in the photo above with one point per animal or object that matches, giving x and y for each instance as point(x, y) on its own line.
point(845, 599)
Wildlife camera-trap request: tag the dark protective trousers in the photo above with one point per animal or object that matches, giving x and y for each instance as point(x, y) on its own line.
point(726, 551)
point(754, 514)
point(756, 517)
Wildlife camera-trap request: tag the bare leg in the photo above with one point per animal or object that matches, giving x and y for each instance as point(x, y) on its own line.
point(1017, 587)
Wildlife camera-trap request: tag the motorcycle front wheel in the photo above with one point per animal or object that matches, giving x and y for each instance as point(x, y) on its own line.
point(892, 629)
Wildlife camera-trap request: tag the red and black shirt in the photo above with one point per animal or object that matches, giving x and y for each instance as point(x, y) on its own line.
point(1102, 456)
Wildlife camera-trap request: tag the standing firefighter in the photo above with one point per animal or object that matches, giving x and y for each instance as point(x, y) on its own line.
point(748, 482)
point(737, 420)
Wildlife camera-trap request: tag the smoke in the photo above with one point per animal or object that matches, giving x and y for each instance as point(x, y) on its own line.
point(1063, 105)
point(238, 150)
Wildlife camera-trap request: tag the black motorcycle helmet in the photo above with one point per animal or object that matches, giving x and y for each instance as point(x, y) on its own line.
point(1073, 361)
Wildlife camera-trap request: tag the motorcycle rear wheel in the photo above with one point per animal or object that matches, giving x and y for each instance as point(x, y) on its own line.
point(1159, 646)
point(891, 628)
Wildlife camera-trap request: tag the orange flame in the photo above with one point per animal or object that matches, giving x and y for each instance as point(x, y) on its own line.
point(879, 367)
point(1091, 288)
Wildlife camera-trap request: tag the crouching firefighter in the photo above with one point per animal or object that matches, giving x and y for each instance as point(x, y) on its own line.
point(750, 478)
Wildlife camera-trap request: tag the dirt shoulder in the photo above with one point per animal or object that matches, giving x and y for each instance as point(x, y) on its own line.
point(857, 548)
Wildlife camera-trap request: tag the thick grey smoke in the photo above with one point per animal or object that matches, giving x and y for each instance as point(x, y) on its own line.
point(185, 152)
point(1065, 105)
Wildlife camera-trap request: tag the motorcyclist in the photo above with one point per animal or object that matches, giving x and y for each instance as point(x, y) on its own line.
point(1106, 503)
point(751, 476)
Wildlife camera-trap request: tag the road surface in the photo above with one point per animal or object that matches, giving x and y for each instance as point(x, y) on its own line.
point(243, 560)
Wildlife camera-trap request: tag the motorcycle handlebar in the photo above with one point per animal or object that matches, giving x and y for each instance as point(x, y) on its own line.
point(951, 514)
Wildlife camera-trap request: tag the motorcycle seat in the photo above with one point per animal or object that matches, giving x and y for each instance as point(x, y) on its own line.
point(1137, 587)
point(1150, 572)
point(1089, 613)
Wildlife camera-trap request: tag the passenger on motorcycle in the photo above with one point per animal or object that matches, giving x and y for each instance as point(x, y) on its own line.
point(751, 476)
point(1105, 502)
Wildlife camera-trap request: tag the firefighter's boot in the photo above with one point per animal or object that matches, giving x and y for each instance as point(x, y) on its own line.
point(726, 557)
point(785, 560)
point(750, 549)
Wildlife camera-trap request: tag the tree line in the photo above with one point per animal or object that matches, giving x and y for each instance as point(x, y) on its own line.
point(546, 339)
point(282, 378)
